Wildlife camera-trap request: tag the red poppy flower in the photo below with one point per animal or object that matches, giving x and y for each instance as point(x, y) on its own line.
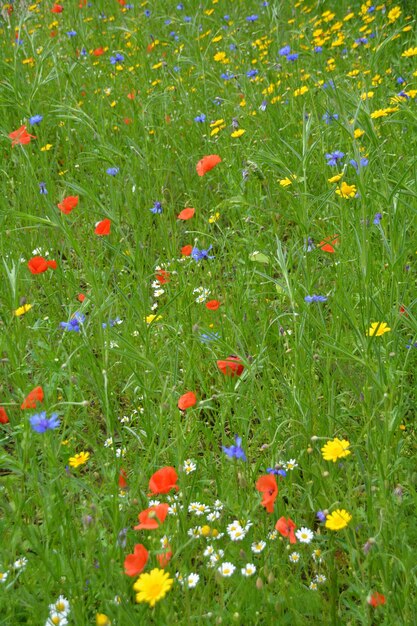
point(186, 250)
point(376, 599)
point(131, 95)
point(327, 244)
point(162, 276)
point(127, 120)
point(81, 297)
point(285, 527)
point(267, 485)
point(38, 265)
point(57, 8)
point(122, 482)
point(212, 305)
point(20, 136)
point(153, 517)
point(98, 51)
point(135, 563)
point(186, 214)
point(68, 204)
point(186, 401)
point(231, 366)
point(163, 481)
point(103, 227)
point(3, 416)
point(164, 558)
point(34, 396)
point(207, 163)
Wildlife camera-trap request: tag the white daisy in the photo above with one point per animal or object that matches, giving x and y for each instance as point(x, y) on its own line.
point(218, 505)
point(189, 466)
point(237, 534)
point(294, 557)
point(211, 517)
point(304, 535)
point(226, 569)
point(290, 465)
point(258, 546)
point(20, 563)
point(313, 586)
point(272, 535)
point(248, 570)
point(317, 556)
point(61, 606)
point(192, 580)
point(3, 576)
point(320, 579)
point(56, 619)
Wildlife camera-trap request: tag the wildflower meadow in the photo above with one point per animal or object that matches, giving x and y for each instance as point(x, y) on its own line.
point(208, 320)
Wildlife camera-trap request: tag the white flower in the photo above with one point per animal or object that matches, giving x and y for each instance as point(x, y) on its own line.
point(3, 576)
point(173, 509)
point(247, 525)
point(294, 557)
point(248, 570)
point(153, 503)
point(61, 606)
point(237, 534)
point(20, 563)
point(189, 466)
point(218, 505)
point(158, 293)
point(290, 465)
point(320, 579)
point(120, 452)
point(313, 586)
point(164, 542)
point(117, 600)
point(209, 551)
point(180, 578)
point(304, 535)
point(109, 442)
point(257, 547)
point(124, 420)
point(56, 619)
point(192, 580)
point(226, 569)
point(211, 517)
point(195, 533)
point(198, 509)
point(272, 535)
point(317, 556)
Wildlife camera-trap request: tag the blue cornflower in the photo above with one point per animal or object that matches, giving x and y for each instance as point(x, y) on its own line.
point(42, 189)
point(200, 118)
point(329, 117)
point(112, 323)
point(361, 41)
point(112, 171)
point(283, 52)
point(314, 298)
point(74, 323)
point(236, 451)
point(377, 219)
point(40, 423)
point(232, 47)
point(187, 18)
point(400, 80)
point(276, 471)
point(176, 68)
point(198, 255)
point(147, 13)
point(227, 76)
point(252, 18)
point(334, 157)
point(209, 337)
point(226, 18)
point(292, 57)
point(329, 84)
point(71, 33)
point(321, 516)
point(411, 345)
point(318, 49)
point(180, 6)
point(362, 163)
point(167, 22)
point(35, 119)
point(157, 208)
point(118, 58)
point(263, 106)
point(252, 73)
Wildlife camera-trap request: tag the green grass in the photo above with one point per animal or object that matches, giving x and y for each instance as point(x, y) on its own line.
point(311, 371)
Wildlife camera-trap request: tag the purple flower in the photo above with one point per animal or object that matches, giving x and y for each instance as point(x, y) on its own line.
point(285, 51)
point(321, 516)
point(278, 471)
point(292, 57)
point(314, 298)
point(112, 171)
point(198, 255)
point(35, 119)
point(40, 423)
point(362, 163)
point(236, 451)
point(71, 33)
point(42, 189)
point(329, 117)
point(377, 218)
point(118, 58)
point(157, 208)
point(200, 118)
point(252, 18)
point(334, 157)
point(74, 323)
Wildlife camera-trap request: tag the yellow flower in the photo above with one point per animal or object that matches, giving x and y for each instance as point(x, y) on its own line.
point(394, 14)
point(346, 191)
point(358, 132)
point(410, 52)
point(338, 519)
point(79, 459)
point(153, 586)
point(46, 147)
point(237, 133)
point(23, 309)
point(214, 218)
point(301, 91)
point(335, 179)
point(102, 620)
point(152, 318)
point(336, 449)
point(378, 329)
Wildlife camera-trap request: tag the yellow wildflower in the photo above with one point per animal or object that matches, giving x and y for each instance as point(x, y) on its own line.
point(153, 586)
point(79, 459)
point(346, 191)
point(336, 449)
point(152, 318)
point(22, 310)
point(335, 179)
point(338, 519)
point(377, 329)
point(237, 133)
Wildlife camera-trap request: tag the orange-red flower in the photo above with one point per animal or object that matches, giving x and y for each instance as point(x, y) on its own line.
point(163, 481)
point(207, 163)
point(162, 276)
point(34, 396)
point(21, 136)
point(164, 558)
point(122, 482)
point(187, 400)
point(327, 244)
point(81, 297)
point(285, 526)
point(103, 227)
point(135, 563)
point(98, 51)
point(153, 517)
point(267, 485)
point(186, 214)
point(57, 8)
point(38, 265)
point(186, 250)
point(212, 305)
point(68, 204)
point(376, 599)
point(232, 366)
point(3, 416)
